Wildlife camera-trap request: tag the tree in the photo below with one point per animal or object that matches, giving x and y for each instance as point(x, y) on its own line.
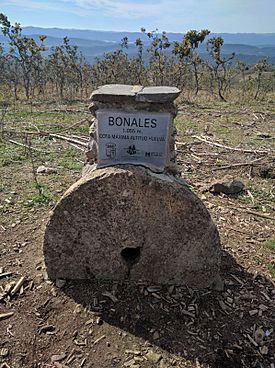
point(158, 59)
point(23, 49)
point(220, 64)
point(185, 50)
point(66, 66)
point(242, 67)
point(260, 68)
point(140, 68)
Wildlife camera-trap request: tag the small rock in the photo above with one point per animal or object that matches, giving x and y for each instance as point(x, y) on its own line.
point(156, 335)
point(259, 335)
point(264, 350)
point(60, 283)
point(58, 357)
point(45, 170)
point(227, 187)
point(153, 357)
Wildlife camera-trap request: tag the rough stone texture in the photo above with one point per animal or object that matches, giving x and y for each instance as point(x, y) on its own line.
point(132, 106)
point(225, 186)
point(118, 92)
point(158, 94)
point(124, 92)
point(126, 222)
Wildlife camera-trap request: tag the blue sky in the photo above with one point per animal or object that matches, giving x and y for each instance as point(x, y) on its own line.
point(175, 15)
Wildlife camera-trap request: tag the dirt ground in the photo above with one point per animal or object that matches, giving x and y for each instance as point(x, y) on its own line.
point(103, 324)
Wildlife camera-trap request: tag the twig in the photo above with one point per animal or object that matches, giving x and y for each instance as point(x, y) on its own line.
point(6, 315)
point(255, 116)
point(252, 340)
point(260, 215)
point(72, 111)
point(251, 163)
point(244, 209)
point(33, 125)
point(18, 285)
point(83, 138)
point(186, 145)
point(76, 146)
point(251, 197)
point(238, 230)
point(68, 139)
point(53, 135)
point(74, 125)
point(5, 274)
point(229, 148)
point(24, 145)
point(99, 339)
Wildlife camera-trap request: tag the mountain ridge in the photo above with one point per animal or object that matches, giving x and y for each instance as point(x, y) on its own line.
point(93, 48)
point(254, 39)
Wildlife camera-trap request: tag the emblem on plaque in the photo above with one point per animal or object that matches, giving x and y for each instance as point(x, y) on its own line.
point(111, 150)
point(132, 150)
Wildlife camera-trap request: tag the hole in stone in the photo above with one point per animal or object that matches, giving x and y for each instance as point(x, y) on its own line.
point(131, 255)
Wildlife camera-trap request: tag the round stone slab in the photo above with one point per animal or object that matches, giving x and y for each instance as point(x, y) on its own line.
point(126, 222)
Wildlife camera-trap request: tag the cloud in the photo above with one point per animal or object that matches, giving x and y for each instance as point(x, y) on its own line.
point(125, 9)
point(31, 4)
point(112, 8)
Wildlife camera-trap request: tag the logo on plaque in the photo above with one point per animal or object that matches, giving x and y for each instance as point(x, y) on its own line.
point(132, 150)
point(111, 150)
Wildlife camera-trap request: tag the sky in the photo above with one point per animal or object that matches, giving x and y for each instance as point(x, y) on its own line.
point(218, 16)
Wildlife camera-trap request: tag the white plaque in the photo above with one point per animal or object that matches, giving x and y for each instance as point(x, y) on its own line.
point(139, 138)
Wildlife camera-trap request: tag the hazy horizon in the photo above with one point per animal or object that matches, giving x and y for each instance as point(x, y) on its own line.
point(135, 31)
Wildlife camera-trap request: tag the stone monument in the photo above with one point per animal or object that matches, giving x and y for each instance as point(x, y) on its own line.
point(131, 217)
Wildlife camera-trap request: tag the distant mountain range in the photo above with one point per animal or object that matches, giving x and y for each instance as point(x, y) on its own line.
point(249, 47)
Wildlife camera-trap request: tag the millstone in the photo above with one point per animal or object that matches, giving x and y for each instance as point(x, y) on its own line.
point(126, 222)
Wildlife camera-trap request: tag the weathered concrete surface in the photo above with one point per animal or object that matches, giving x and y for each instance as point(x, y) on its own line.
point(158, 94)
point(124, 92)
point(127, 222)
point(115, 92)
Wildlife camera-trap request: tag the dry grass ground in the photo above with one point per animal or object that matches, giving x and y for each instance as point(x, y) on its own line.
point(95, 324)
